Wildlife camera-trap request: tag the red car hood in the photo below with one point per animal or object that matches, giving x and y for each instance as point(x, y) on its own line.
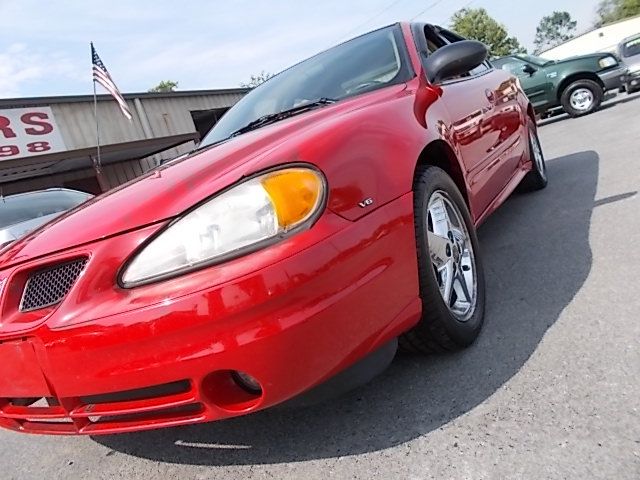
point(174, 188)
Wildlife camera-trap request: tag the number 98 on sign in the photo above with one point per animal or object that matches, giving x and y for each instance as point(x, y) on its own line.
point(27, 132)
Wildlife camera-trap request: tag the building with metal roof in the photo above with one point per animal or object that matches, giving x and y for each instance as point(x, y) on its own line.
point(602, 39)
point(52, 141)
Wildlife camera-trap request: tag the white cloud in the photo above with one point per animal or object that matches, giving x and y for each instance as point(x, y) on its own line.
point(44, 46)
point(17, 67)
point(21, 66)
point(214, 64)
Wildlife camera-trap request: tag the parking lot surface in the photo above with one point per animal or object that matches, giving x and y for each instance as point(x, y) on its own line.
point(550, 390)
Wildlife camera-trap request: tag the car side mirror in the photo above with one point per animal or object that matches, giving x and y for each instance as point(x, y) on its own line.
point(529, 69)
point(454, 60)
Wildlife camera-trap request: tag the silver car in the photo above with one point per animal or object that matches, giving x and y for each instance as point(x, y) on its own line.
point(629, 50)
point(24, 212)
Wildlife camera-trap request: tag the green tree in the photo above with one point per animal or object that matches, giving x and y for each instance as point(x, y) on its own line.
point(256, 80)
point(165, 86)
point(613, 10)
point(477, 24)
point(554, 29)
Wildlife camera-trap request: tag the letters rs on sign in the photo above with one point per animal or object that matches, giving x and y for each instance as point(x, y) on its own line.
point(26, 132)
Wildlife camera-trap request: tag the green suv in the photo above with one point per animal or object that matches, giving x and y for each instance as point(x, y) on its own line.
point(577, 84)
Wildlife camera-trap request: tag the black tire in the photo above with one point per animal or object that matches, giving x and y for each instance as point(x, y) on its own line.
point(536, 179)
point(595, 89)
point(439, 330)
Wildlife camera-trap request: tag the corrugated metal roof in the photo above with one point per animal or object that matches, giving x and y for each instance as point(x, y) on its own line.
point(168, 114)
point(34, 101)
point(77, 124)
point(156, 117)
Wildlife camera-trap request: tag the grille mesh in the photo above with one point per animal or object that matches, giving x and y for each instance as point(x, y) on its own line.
point(48, 287)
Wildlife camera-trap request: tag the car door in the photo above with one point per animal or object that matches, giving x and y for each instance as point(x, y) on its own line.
point(535, 82)
point(486, 125)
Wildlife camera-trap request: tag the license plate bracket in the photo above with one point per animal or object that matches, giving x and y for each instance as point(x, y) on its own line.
point(20, 372)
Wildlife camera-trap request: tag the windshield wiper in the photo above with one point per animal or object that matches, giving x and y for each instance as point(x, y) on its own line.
point(201, 147)
point(275, 117)
point(267, 119)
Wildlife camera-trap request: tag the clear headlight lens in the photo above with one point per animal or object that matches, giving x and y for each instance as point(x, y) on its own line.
point(607, 62)
point(243, 218)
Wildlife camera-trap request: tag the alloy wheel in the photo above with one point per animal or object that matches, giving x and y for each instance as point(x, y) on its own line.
point(582, 99)
point(452, 256)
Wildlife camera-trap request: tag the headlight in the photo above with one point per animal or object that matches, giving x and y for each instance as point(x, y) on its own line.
point(244, 218)
point(607, 62)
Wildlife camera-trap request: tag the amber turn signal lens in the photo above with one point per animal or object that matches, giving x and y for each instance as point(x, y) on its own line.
point(295, 194)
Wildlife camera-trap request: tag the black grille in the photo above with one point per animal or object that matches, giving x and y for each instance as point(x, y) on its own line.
point(48, 287)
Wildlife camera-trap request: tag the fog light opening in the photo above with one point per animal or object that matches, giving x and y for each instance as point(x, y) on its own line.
point(247, 382)
point(232, 390)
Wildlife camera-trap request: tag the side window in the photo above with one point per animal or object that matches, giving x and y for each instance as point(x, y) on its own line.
point(480, 69)
point(447, 37)
point(434, 41)
point(512, 65)
point(450, 37)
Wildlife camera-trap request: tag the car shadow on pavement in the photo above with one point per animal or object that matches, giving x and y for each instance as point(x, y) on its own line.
point(537, 257)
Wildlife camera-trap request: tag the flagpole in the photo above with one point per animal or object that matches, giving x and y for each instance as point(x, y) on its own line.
point(97, 160)
point(95, 112)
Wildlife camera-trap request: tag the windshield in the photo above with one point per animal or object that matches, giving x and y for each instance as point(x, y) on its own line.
point(631, 48)
point(366, 63)
point(533, 59)
point(20, 208)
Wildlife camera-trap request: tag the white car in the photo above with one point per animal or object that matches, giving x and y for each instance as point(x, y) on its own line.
point(629, 50)
point(24, 212)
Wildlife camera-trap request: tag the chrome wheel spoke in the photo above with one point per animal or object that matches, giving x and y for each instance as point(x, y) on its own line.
point(446, 282)
point(451, 254)
point(463, 288)
point(460, 237)
point(439, 249)
point(440, 218)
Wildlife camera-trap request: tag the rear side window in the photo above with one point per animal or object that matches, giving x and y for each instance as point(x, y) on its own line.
point(450, 37)
point(479, 69)
point(444, 37)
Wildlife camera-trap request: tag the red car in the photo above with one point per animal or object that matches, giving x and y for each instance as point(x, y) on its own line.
point(328, 214)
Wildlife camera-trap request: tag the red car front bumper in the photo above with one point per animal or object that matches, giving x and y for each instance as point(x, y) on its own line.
point(291, 316)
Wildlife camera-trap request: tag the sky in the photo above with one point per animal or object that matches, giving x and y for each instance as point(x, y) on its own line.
point(44, 46)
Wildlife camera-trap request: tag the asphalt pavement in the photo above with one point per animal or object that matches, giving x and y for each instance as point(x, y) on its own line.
point(551, 389)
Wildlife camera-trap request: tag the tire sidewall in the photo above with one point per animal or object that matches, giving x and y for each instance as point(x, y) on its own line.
point(540, 179)
point(462, 333)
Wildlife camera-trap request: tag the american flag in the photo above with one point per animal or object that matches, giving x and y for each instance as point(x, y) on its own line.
point(101, 75)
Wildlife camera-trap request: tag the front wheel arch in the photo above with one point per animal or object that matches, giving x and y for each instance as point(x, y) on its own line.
point(574, 78)
point(439, 153)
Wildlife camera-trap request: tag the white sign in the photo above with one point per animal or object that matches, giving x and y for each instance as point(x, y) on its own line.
point(27, 132)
